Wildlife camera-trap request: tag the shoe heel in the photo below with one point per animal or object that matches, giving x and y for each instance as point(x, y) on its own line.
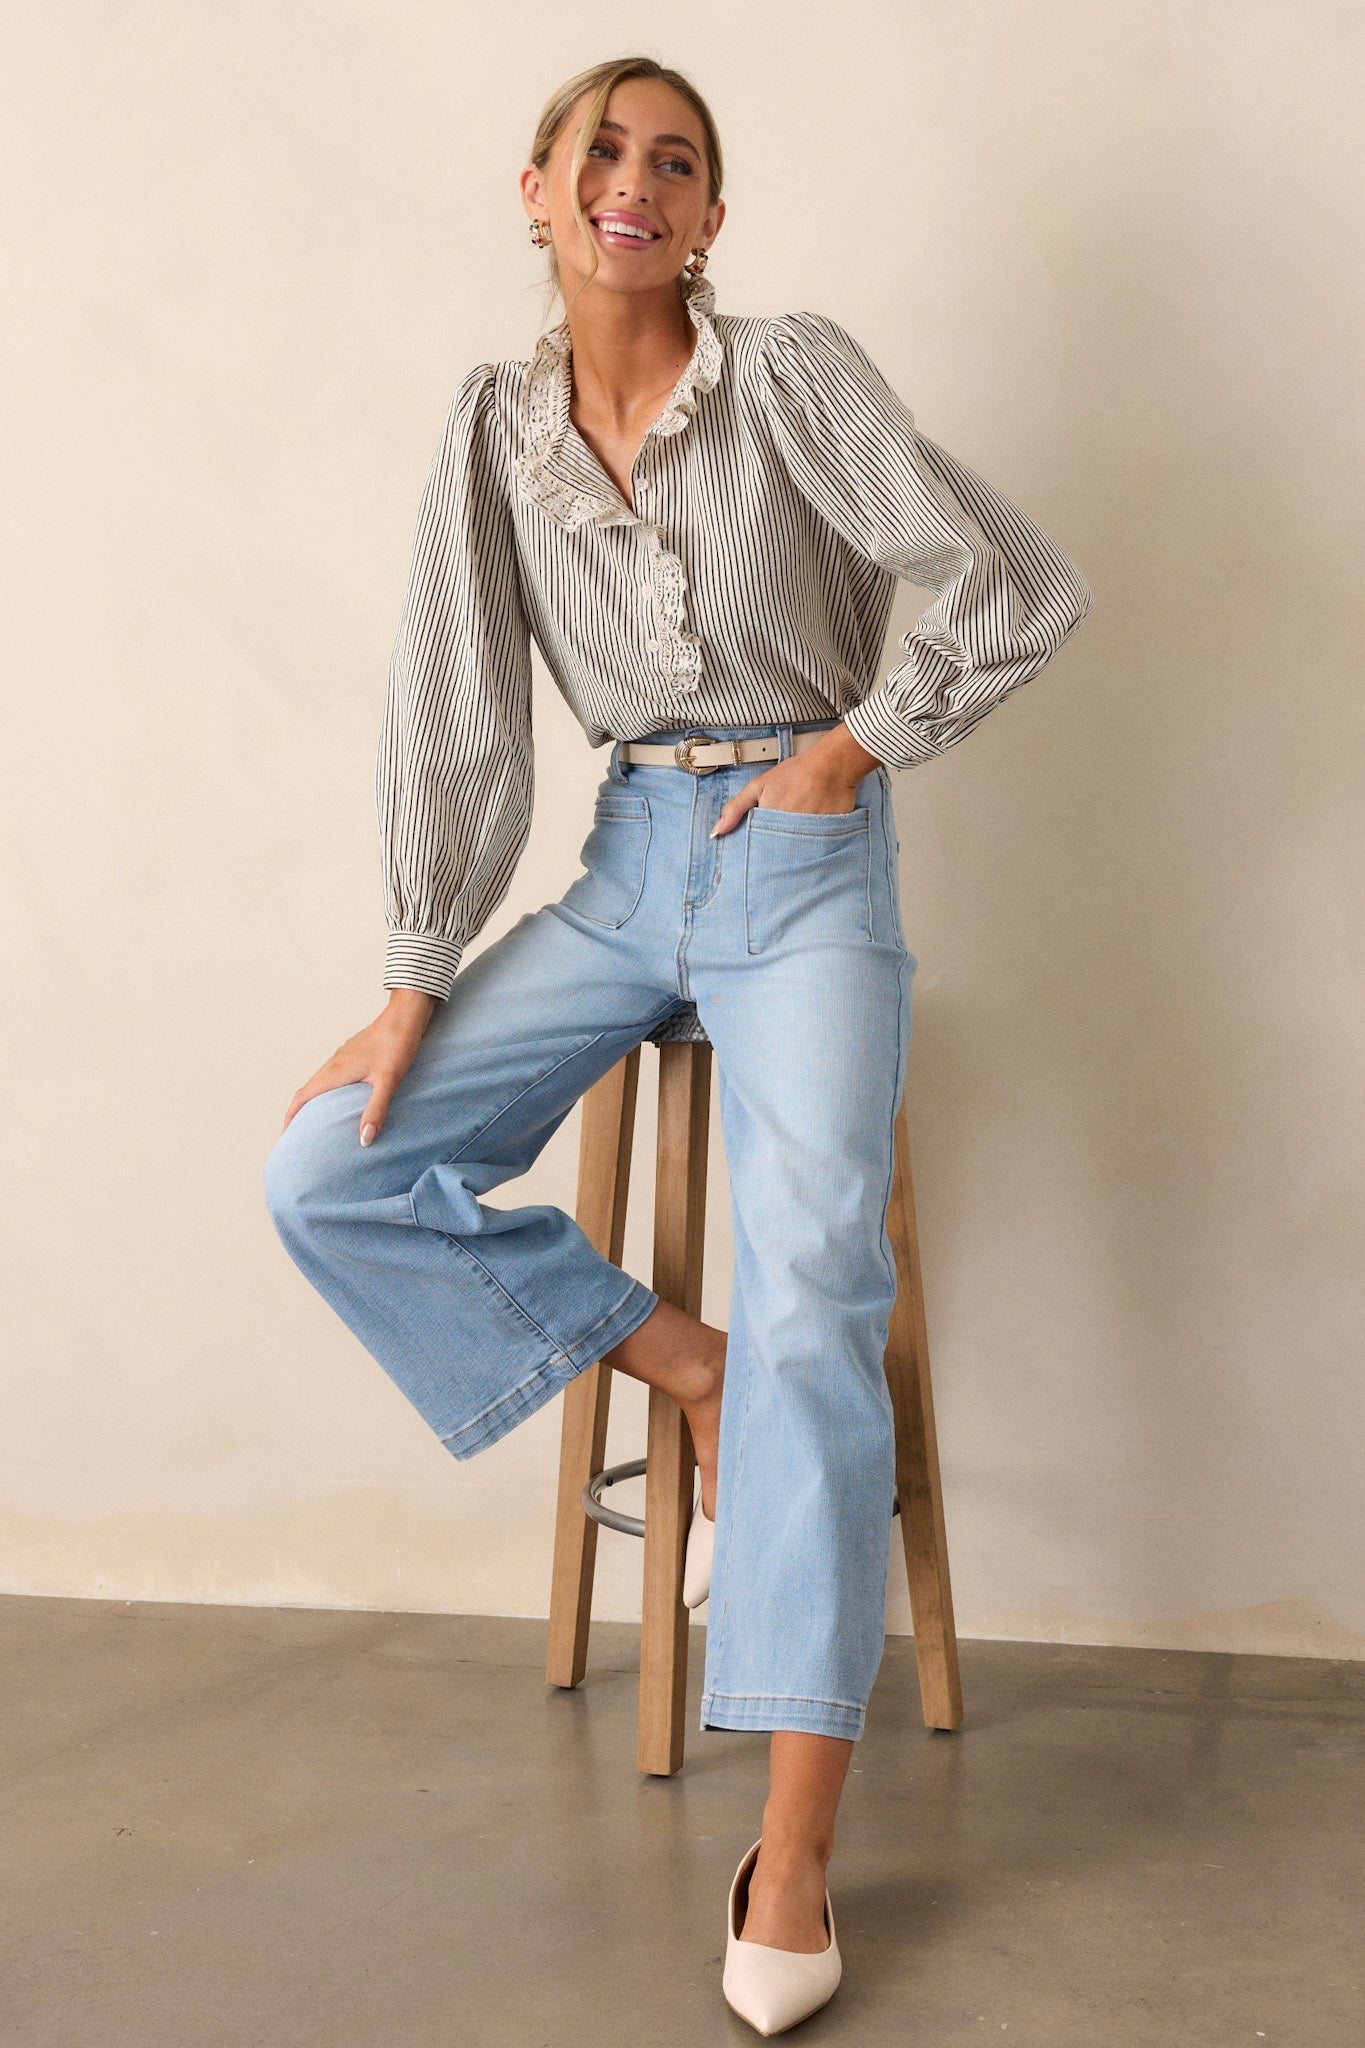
point(774, 1988)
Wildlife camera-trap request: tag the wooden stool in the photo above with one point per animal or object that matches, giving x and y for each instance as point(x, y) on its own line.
point(669, 1465)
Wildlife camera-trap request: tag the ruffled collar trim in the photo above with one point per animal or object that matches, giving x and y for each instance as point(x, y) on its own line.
point(556, 469)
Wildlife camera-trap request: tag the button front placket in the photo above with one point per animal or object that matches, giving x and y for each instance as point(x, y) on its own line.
point(677, 652)
point(558, 471)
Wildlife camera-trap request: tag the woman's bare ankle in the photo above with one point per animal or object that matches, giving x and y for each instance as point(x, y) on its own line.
point(675, 1351)
point(685, 1358)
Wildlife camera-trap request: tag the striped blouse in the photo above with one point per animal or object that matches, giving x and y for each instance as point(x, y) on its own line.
point(773, 504)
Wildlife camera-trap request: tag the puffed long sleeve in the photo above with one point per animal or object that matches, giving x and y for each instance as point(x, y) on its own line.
point(1007, 595)
point(454, 774)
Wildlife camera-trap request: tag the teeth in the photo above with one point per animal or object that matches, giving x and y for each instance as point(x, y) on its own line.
point(620, 227)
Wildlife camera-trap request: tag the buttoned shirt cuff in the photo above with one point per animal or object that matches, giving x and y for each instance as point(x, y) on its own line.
point(418, 960)
point(876, 725)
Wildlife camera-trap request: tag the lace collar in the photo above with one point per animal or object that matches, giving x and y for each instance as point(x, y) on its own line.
point(556, 469)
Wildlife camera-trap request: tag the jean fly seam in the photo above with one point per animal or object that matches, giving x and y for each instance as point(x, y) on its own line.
point(680, 971)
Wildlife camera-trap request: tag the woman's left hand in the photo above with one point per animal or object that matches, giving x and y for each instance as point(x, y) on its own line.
point(820, 779)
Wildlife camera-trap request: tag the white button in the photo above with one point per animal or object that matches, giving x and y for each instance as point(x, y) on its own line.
point(651, 646)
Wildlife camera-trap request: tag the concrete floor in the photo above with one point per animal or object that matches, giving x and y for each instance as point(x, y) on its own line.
point(247, 1826)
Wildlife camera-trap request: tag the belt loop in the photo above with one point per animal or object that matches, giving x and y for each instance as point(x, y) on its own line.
point(615, 772)
point(784, 742)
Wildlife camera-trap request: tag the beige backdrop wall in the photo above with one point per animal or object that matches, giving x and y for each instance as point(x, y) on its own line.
point(1105, 258)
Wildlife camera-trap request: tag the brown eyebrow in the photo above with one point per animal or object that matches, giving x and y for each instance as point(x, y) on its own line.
point(617, 129)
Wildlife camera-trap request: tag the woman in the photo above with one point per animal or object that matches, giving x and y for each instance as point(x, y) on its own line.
point(699, 518)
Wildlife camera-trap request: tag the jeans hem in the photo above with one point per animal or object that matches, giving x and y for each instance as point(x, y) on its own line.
point(551, 1377)
point(764, 1711)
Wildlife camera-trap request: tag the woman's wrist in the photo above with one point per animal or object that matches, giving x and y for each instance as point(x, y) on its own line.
point(847, 758)
point(411, 1004)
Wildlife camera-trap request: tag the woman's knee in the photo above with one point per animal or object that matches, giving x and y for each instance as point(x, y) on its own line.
point(313, 1159)
point(822, 1275)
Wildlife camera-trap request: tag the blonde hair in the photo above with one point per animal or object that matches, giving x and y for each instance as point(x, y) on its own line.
point(598, 82)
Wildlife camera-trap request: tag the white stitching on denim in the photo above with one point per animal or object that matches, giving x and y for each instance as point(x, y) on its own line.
point(644, 817)
point(888, 828)
point(801, 1699)
point(567, 1356)
point(543, 1370)
point(504, 1400)
point(902, 1053)
point(458, 1244)
point(852, 833)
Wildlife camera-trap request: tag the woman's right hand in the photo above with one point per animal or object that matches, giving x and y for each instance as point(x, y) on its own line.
point(380, 1054)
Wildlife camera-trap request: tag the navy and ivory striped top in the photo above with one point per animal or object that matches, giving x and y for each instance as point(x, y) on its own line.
point(773, 504)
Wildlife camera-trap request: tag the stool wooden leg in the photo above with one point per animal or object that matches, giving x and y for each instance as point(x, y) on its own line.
point(679, 1231)
point(604, 1150)
point(918, 1488)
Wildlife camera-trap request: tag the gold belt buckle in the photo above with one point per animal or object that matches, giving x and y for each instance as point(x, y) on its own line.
point(682, 753)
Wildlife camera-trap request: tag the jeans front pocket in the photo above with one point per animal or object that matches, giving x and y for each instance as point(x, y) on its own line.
point(807, 876)
point(613, 857)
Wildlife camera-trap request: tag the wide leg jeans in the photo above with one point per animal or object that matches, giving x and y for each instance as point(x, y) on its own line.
point(786, 934)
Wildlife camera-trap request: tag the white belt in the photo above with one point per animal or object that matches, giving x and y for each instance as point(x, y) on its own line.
point(699, 753)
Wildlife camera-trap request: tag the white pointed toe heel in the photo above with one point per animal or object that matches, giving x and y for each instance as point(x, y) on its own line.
point(701, 1540)
point(774, 1988)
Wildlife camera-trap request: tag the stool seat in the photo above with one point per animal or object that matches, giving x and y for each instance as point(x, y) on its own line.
point(680, 1027)
point(669, 1467)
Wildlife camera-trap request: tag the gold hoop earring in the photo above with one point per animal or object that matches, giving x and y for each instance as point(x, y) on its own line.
point(696, 267)
point(540, 233)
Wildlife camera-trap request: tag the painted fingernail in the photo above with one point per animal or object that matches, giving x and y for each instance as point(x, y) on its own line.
point(368, 1133)
point(714, 829)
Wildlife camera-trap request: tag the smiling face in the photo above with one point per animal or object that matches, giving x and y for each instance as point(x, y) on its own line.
point(644, 190)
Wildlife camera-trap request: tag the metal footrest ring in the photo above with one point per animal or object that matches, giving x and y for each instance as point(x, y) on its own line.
point(633, 1525)
point(612, 1518)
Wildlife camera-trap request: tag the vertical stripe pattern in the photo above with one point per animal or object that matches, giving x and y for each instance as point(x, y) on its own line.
point(749, 576)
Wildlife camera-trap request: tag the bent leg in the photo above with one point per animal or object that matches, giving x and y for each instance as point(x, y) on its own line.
point(480, 1315)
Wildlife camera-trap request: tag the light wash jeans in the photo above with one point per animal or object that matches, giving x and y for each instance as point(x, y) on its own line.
point(786, 933)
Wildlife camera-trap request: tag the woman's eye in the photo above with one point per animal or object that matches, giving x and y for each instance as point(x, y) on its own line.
point(680, 162)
